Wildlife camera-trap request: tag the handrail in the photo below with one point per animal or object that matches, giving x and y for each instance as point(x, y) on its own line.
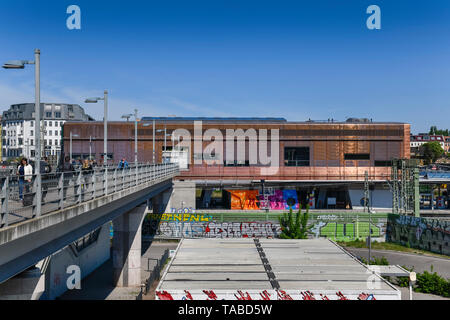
point(59, 190)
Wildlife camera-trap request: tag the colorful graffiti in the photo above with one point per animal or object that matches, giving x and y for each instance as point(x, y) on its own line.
point(253, 200)
point(420, 233)
point(282, 199)
point(190, 225)
point(244, 199)
point(180, 217)
point(177, 229)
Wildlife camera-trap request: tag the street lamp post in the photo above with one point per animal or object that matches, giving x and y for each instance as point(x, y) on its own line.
point(71, 136)
point(136, 144)
point(165, 138)
point(20, 64)
point(105, 133)
point(148, 125)
point(154, 132)
point(71, 158)
point(128, 116)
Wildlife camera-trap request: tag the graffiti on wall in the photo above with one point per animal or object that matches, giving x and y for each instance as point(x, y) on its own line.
point(180, 217)
point(211, 229)
point(185, 223)
point(420, 233)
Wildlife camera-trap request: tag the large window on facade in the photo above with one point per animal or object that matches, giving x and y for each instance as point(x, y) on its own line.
point(357, 156)
point(296, 156)
point(383, 163)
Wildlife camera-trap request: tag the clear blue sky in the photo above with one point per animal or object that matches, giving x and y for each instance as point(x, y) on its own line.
point(293, 59)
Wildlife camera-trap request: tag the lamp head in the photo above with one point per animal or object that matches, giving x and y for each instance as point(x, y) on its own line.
point(15, 64)
point(92, 100)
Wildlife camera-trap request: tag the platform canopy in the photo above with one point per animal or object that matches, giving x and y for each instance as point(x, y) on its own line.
point(269, 269)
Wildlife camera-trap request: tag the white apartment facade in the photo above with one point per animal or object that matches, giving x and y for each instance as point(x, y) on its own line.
point(18, 129)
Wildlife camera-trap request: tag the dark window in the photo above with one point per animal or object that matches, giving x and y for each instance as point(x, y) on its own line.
point(236, 163)
point(296, 157)
point(48, 114)
point(57, 114)
point(383, 163)
point(357, 156)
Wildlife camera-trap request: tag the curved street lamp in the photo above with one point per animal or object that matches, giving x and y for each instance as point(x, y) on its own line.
point(105, 133)
point(20, 64)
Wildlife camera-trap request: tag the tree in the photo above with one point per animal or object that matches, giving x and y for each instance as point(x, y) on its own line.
point(431, 151)
point(435, 131)
point(295, 228)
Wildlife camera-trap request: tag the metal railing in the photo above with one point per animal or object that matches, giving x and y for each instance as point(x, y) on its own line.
point(59, 190)
point(155, 273)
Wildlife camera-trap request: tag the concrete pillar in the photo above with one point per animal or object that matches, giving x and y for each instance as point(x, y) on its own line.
point(127, 243)
point(160, 203)
point(182, 196)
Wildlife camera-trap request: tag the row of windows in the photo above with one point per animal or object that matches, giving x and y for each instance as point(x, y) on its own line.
point(315, 132)
point(29, 142)
point(18, 115)
point(300, 157)
point(50, 114)
point(50, 123)
point(46, 124)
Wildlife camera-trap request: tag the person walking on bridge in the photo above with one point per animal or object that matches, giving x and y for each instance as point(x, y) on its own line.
point(25, 173)
point(87, 172)
point(46, 169)
point(68, 170)
point(123, 164)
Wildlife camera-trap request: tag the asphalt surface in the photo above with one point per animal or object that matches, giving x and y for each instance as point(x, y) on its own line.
point(419, 262)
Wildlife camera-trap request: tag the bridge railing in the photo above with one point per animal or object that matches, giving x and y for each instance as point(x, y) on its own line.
point(19, 200)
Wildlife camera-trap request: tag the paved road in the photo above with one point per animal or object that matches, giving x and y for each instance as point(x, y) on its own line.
point(419, 262)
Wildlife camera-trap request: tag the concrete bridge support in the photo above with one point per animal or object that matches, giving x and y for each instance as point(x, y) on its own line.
point(183, 196)
point(127, 243)
point(160, 203)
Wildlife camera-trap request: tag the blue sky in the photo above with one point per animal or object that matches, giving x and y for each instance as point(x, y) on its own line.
point(292, 59)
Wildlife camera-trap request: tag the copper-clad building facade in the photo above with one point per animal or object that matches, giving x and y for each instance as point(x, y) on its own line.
point(307, 151)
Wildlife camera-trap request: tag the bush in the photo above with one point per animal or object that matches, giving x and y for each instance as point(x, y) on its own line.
point(295, 228)
point(427, 282)
point(432, 283)
point(404, 281)
point(376, 261)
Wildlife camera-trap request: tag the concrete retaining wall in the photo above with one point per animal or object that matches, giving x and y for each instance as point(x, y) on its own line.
point(421, 233)
point(88, 260)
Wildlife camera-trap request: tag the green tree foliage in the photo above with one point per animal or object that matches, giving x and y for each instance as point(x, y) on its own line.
point(295, 228)
point(432, 283)
point(431, 151)
point(435, 131)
